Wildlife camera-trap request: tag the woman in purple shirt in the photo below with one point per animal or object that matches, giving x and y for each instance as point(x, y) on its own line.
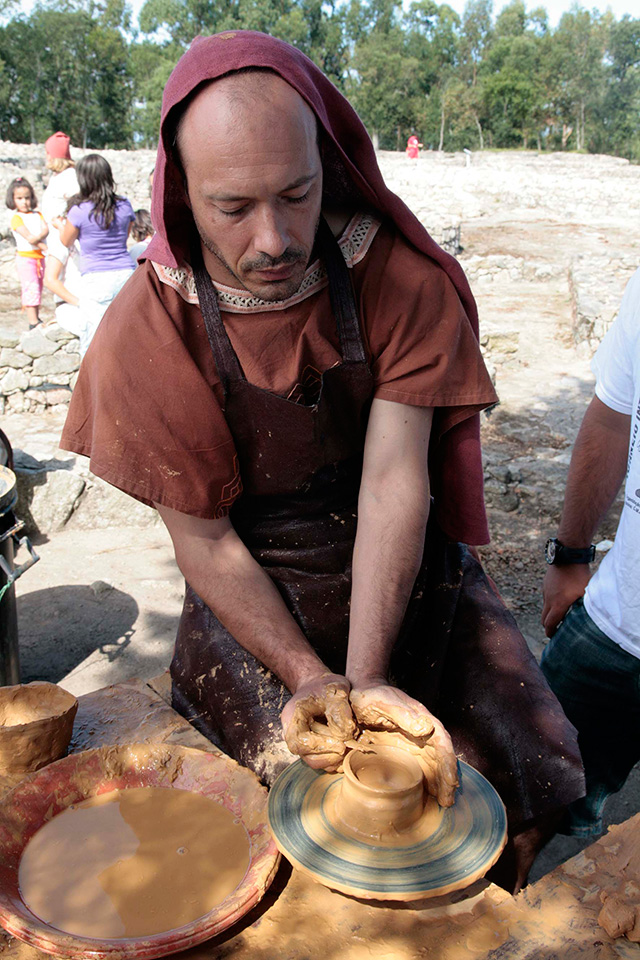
point(100, 220)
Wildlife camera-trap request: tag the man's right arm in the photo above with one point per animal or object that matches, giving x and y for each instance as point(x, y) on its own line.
point(218, 566)
point(597, 469)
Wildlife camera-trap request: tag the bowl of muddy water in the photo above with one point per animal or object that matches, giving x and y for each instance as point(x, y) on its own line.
point(36, 723)
point(132, 852)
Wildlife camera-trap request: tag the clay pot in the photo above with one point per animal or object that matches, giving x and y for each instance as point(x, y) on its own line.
point(381, 793)
point(36, 722)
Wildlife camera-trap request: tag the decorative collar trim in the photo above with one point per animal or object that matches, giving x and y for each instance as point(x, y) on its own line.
point(354, 245)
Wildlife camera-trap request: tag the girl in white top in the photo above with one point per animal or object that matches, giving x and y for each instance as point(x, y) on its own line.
point(61, 273)
point(29, 229)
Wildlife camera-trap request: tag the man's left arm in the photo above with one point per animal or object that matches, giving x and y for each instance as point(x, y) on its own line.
point(393, 509)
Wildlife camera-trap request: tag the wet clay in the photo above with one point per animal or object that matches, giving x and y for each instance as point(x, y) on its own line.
point(307, 733)
point(381, 794)
point(133, 863)
point(620, 917)
point(36, 722)
point(385, 774)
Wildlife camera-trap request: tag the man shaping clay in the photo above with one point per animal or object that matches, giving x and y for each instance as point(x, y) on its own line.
point(289, 378)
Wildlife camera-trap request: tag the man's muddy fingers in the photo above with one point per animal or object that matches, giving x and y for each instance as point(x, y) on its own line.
point(331, 762)
point(370, 711)
point(304, 742)
point(446, 781)
point(446, 766)
point(305, 711)
point(339, 714)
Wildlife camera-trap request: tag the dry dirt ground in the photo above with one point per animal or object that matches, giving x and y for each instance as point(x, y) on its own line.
point(102, 605)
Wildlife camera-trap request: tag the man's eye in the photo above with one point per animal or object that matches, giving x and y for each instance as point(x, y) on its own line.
point(298, 199)
point(232, 213)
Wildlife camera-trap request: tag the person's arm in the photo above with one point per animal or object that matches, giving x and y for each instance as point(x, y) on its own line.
point(393, 509)
point(597, 469)
point(218, 566)
point(68, 233)
point(33, 238)
point(52, 281)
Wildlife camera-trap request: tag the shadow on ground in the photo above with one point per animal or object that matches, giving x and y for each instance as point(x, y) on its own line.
point(61, 626)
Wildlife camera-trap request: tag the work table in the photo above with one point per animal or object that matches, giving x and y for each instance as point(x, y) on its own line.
point(300, 920)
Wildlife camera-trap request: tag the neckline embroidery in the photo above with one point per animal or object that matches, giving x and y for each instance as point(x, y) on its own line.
point(354, 245)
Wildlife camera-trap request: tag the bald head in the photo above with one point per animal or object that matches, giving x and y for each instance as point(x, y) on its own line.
point(248, 144)
point(243, 99)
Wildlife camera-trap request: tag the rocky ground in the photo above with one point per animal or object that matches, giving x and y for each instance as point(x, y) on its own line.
point(548, 241)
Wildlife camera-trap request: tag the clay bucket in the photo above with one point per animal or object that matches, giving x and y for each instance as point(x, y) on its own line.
point(36, 722)
point(381, 793)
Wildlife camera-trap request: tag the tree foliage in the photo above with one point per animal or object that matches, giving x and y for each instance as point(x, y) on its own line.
point(459, 82)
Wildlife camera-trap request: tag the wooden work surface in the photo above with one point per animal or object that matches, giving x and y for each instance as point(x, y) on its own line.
point(554, 919)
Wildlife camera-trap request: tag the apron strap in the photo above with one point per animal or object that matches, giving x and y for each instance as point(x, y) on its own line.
point(226, 359)
point(341, 293)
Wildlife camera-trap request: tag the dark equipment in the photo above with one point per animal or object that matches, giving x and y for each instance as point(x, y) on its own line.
point(10, 542)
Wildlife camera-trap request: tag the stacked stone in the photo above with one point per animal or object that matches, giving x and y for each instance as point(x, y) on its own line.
point(38, 368)
point(506, 267)
point(596, 291)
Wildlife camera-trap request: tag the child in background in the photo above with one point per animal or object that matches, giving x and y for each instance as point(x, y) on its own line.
point(142, 232)
point(29, 230)
point(413, 147)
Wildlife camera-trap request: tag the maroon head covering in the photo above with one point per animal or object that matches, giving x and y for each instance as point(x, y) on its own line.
point(351, 172)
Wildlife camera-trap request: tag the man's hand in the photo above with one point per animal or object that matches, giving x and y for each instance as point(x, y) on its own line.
point(318, 721)
point(562, 586)
point(388, 716)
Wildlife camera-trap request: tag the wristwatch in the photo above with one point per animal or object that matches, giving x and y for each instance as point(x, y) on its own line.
point(556, 552)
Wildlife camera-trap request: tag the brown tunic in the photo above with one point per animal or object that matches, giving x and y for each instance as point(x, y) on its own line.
point(147, 408)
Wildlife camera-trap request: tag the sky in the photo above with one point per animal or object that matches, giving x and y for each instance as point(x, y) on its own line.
point(555, 8)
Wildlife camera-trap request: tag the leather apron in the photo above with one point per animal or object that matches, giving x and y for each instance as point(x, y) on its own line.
point(459, 651)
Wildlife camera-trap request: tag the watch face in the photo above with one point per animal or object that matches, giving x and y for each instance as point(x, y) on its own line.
point(550, 551)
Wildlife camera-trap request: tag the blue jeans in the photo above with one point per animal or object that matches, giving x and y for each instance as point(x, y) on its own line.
point(598, 685)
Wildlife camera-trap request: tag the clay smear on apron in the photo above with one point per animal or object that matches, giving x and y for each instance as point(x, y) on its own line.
point(133, 863)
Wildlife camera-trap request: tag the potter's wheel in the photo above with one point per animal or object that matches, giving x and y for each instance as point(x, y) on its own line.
point(447, 850)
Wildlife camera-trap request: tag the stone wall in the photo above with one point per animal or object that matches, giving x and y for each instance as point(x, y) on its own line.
point(38, 368)
point(596, 284)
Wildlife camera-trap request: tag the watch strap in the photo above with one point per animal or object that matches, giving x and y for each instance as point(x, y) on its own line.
point(557, 553)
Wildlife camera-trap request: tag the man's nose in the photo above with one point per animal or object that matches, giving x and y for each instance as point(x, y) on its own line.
point(272, 235)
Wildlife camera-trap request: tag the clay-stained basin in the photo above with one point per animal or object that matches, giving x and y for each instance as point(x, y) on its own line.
point(36, 722)
point(48, 792)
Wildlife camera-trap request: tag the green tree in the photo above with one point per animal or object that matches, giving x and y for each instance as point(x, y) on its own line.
point(618, 130)
point(512, 79)
point(66, 70)
point(476, 33)
point(577, 63)
point(384, 88)
point(150, 66)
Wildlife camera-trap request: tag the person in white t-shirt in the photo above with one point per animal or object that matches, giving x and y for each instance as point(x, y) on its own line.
point(593, 660)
